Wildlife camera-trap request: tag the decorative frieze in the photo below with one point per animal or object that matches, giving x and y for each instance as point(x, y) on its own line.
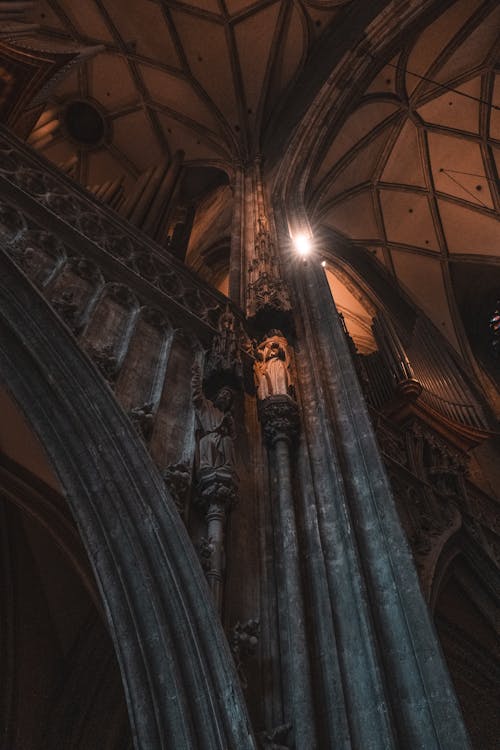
point(68, 204)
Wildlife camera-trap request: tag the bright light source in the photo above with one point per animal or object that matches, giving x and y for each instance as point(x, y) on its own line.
point(302, 244)
point(323, 263)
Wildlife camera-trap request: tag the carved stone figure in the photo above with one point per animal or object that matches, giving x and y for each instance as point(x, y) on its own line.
point(224, 360)
point(215, 421)
point(272, 366)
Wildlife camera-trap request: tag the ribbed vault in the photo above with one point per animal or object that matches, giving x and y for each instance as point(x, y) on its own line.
point(203, 76)
point(412, 171)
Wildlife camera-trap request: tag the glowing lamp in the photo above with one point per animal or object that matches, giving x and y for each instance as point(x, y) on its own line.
point(302, 244)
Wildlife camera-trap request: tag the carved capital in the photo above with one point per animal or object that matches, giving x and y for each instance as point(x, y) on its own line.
point(279, 416)
point(217, 490)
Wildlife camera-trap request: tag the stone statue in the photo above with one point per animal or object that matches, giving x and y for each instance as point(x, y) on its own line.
point(272, 366)
point(216, 424)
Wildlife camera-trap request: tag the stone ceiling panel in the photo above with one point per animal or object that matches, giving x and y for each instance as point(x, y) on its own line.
point(455, 109)
point(146, 30)
point(178, 95)
point(87, 19)
point(385, 81)
point(321, 18)
point(254, 38)
point(205, 46)
point(197, 147)
point(469, 231)
point(404, 165)
point(359, 168)
point(134, 136)
point(435, 38)
point(212, 6)
point(358, 125)
point(111, 83)
point(355, 216)
point(236, 6)
point(291, 51)
point(474, 49)
point(46, 16)
point(458, 169)
point(408, 219)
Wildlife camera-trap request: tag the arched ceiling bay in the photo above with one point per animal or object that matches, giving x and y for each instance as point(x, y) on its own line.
point(413, 172)
point(198, 75)
point(357, 312)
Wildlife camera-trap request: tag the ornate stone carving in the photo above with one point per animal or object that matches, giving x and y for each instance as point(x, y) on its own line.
point(205, 551)
point(243, 640)
point(272, 366)
point(84, 268)
point(224, 359)
point(11, 221)
point(215, 471)
point(142, 418)
point(106, 361)
point(279, 416)
point(65, 306)
point(177, 477)
point(266, 288)
point(217, 487)
point(275, 738)
point(216, 427)
point(121, 294)
point(154, 318)
point(103, 228)
point(145, 264)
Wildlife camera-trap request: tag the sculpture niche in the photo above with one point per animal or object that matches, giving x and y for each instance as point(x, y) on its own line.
point(217, 480)
point(272, 366)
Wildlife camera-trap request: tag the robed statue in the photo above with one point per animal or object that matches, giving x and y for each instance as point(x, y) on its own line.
point(216, 426)
point(272, 366)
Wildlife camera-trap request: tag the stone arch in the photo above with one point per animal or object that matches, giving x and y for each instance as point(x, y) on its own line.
point(180, 683)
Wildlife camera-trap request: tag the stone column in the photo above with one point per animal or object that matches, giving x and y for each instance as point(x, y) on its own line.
point(216, 496)
point(395, 686)
point(279, 416)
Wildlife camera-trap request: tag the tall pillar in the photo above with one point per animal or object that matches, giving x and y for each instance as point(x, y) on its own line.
point(394, 684)
point(279, 416)
point(216, 496)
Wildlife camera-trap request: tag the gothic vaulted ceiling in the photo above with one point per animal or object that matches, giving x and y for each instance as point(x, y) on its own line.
point(413, 172)
point(200, 75)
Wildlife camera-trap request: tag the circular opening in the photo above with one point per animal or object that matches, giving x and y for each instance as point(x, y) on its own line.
point(84, 123)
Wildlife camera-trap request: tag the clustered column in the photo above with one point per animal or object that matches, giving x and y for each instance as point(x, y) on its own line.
point(279, 417)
